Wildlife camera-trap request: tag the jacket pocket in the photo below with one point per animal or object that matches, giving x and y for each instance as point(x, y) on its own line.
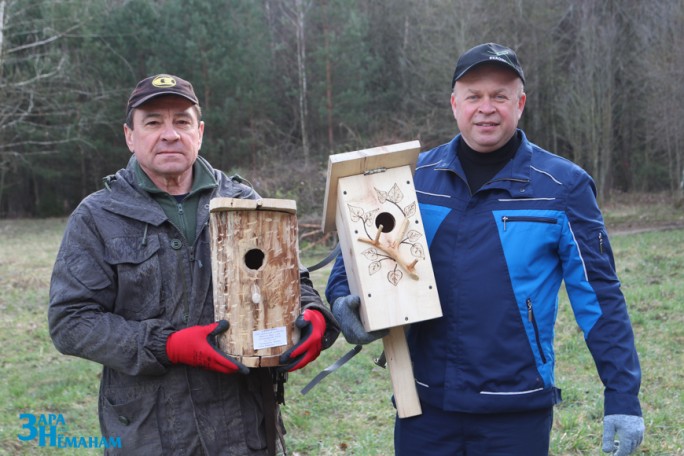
point(135, 422)
point(506, 219)
point(138, 276)
point(531, 318)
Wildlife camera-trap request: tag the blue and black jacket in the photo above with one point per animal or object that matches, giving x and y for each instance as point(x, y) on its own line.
point(499, 257)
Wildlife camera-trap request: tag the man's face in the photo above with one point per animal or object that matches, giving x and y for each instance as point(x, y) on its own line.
point(487, 103)
point(166, 137)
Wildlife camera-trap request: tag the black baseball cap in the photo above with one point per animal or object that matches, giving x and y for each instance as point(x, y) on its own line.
point(487, 53)
point(161, 84)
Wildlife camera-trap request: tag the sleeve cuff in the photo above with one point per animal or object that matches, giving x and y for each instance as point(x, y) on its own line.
point(621, 404)
point(158, 346)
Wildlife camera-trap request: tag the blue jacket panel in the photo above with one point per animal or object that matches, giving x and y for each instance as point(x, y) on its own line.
point(500, 256)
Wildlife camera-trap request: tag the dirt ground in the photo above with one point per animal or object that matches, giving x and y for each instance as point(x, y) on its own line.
point(631, 213)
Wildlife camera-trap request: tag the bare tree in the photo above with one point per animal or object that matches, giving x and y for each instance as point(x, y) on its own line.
point(665, 71)
point(591, 45)
point(32, 112)
point(328, 77)
point(296, 15)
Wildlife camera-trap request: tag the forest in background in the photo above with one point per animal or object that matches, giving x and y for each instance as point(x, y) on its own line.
point(285, 83)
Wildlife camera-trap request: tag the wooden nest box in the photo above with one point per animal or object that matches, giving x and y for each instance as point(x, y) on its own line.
point(370, 199)
point(255, 272)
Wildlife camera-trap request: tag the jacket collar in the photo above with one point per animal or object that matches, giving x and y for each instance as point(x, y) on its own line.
point(131, 197)
point(514, 177)
point(202, 177)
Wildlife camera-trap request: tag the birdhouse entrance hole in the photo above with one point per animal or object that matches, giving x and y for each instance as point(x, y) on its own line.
point(254, 259)
point(386, 220)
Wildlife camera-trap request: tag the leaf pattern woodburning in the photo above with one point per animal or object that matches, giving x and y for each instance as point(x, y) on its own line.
point(389, 250)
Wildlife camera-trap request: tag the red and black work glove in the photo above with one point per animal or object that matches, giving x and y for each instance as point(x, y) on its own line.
point(312, 326)
point(196, 346)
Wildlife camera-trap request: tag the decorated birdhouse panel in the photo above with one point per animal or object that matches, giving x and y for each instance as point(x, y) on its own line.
point(384, 248)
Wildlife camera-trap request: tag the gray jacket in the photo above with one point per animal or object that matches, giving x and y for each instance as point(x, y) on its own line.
point(125, 279)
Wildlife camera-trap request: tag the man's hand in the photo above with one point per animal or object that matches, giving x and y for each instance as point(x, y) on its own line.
point(346, 312)
point(312, 325)
point(629, 430)
point(196, 346)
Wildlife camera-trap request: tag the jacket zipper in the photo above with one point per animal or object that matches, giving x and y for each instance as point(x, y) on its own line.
point(183, 227)
point(600, 239)
point(530, 317)
point(526, 218)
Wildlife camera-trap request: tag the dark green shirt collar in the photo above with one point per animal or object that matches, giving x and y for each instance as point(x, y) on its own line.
point(202, 178)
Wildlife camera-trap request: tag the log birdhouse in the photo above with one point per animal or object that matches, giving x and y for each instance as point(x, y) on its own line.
point(371, 202)
point(255, 272)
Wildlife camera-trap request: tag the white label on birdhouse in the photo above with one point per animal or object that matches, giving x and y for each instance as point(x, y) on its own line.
point(267, 338)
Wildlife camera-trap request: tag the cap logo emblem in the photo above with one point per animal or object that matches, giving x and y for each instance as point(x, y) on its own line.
point(163, 81)
point(502, 56)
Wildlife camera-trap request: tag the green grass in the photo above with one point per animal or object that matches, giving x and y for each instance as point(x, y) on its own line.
point(651, 269)
point(36, 379)
point(350, 411)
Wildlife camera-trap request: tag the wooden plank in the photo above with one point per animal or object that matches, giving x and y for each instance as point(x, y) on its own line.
point(263, 204)
point(401, 373)
point(360, 162)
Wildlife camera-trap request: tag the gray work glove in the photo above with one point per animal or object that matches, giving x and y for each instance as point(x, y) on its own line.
point(346, 312)
point(628, 428)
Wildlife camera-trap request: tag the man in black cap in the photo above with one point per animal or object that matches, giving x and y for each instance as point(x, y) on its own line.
point(507, 222)
point(131, 289)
